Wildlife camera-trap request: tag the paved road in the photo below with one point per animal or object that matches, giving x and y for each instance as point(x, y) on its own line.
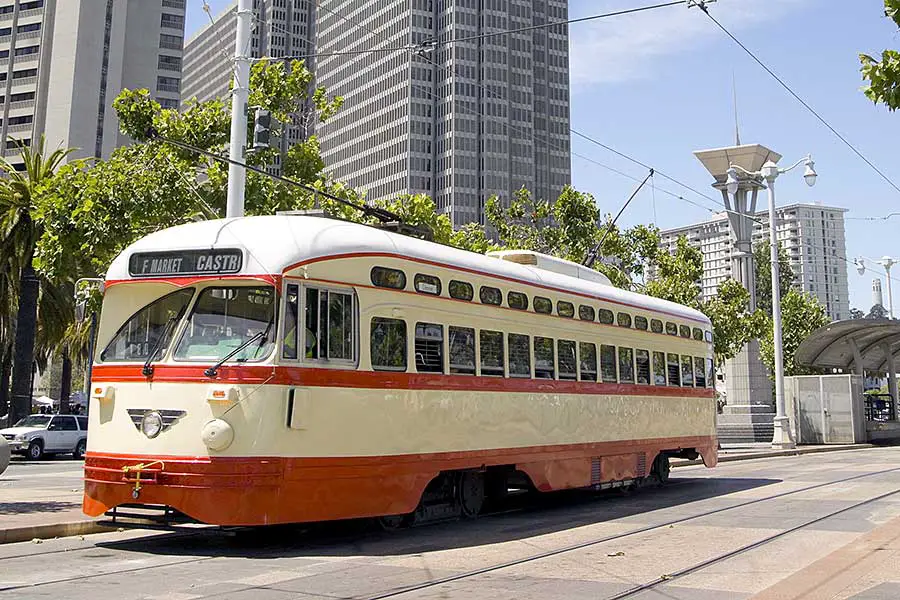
point(723, 534)
point(41, 492)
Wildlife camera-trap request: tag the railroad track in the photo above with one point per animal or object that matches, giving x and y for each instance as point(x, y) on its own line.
point(512, 563)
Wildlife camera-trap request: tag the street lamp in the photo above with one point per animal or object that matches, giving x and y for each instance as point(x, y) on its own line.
point(887, 262)
point(782, 436)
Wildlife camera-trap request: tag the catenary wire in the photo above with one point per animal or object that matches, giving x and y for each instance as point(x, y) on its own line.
point(799, 99)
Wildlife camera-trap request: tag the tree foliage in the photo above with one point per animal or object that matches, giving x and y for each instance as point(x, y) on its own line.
point(883, 76)
point(801, 314)
point(762, 259)
point(878, 312)
point(855, 313)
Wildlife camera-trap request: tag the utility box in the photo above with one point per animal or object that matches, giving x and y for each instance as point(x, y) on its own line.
point(826, 409)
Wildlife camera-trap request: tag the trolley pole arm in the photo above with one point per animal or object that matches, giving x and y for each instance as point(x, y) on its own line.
point(592, 256)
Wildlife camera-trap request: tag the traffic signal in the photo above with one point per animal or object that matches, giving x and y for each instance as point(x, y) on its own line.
point(262, 129)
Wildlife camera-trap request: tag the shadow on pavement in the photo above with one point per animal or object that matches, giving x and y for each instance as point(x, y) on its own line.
point(23, 508)
point(541, 514)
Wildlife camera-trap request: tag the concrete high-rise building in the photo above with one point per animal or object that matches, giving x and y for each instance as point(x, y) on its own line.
point(64, 62)
point(461, 121)
point(813, 236)
point(281, 28)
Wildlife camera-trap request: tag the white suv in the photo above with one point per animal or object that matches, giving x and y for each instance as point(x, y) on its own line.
point(37, 435)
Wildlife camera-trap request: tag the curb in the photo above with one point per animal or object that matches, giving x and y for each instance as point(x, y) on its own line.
point(55, 530)
point(777, 453)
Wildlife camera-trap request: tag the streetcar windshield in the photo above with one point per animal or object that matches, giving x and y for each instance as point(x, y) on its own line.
point(224, 318)
point(141, 334)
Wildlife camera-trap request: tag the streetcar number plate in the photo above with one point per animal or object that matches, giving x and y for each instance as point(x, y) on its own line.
point(185, 262)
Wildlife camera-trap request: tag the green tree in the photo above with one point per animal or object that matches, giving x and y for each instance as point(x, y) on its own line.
point(801, 314)
point(22, 194)
point(883, 76)
point(762, 259)
point(855, 313)
point(877, 312)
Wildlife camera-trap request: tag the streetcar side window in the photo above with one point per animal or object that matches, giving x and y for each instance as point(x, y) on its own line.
point(388, 344)
point(623, 319)
point(568, 363)
point(671, 328)
point(462, 350)
point(684, 331)
point(699, 373)
point(606, 316)
point(659, 368)
point(626, 365)
point(543, 358)
point(519, 355)
point(427, 284)
point(710, 373)
point(388, 278)
point(543, 305)
point(491, 353)
point(517, 300)
point(656, 326)
point(674, 369)
point(588, 356)
point(490, 295)
point(586, 313)
point(329, 318)
point(608, 364)
point(687, 371)
point(291, 310)
point(429, 348)
point(698, 334)
point(565, 309)
point(640, 323)
point(642, 364)
point(461, 290)
point(709, 336)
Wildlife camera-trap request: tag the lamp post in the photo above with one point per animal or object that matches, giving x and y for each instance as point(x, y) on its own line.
point(782, 433)
point(887, 262)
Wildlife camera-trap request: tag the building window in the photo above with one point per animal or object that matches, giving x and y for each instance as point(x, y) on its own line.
point(388, 344)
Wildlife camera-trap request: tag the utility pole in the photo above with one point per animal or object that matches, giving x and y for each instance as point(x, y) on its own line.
point(237, 175)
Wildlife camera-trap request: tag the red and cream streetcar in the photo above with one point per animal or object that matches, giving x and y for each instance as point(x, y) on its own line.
point(287, 368)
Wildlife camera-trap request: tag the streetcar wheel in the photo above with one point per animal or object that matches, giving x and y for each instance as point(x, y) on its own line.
point(35, 450)
point(471, 493)
point(661, 468)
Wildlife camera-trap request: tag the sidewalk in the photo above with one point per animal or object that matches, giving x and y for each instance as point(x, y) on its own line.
point(43, 500)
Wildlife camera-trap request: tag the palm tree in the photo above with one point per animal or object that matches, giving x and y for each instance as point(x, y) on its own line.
point(20, 230)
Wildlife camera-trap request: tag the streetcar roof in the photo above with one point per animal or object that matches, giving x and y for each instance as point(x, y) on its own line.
point(273, 244)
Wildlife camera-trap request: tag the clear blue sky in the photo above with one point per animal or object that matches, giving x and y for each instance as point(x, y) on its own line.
point(658, 85)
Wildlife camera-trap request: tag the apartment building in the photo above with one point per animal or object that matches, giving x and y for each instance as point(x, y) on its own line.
point(63, 62)
point(813, 236)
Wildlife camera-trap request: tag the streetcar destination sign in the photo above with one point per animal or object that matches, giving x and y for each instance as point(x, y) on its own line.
point(185, 262)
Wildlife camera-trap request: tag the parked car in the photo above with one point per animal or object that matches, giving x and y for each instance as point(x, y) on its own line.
point(37, 435)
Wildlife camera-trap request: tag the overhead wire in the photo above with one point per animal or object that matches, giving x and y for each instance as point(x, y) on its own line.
point(797, 97)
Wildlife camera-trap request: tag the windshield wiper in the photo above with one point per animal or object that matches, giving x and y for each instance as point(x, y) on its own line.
point(262, 335)
point(148, 367)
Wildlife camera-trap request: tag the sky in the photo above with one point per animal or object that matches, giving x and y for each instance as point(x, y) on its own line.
point(658, 85)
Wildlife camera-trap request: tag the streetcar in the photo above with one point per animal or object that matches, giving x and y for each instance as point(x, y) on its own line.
point(294, 368)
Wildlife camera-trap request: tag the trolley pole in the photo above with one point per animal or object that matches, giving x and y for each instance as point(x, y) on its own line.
point(237, 175)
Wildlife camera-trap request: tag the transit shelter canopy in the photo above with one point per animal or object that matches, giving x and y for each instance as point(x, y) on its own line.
point(852, 345)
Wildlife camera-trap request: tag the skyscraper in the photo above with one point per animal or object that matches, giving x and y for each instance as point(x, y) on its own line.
point(65, 61)
point(458, 120)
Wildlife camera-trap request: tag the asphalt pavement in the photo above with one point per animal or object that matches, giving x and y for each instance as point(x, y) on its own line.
point(812, 526)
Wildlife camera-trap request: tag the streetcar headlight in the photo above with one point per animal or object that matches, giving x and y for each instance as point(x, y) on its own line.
point(152, 424)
